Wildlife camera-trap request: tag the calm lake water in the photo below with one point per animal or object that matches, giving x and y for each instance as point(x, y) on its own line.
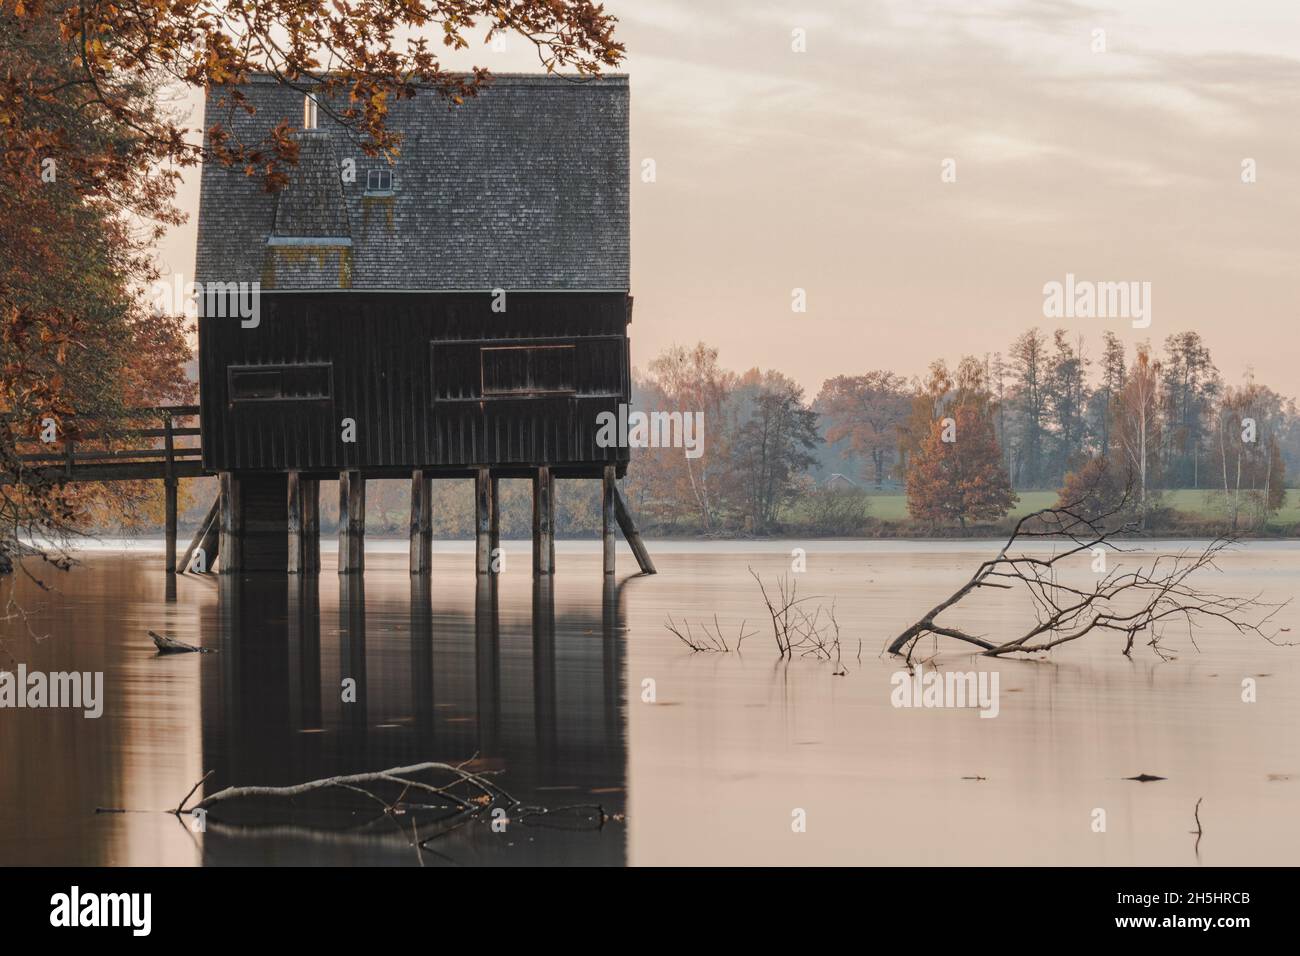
point(549, 688)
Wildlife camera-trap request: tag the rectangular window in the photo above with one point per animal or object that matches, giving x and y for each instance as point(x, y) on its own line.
point(526, 370)
point(379, 180)
point(269, 383)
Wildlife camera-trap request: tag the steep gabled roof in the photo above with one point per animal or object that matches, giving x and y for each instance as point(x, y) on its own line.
point(522, 187)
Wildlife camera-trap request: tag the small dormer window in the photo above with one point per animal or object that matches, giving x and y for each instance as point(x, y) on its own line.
point(379, 181)
point(308, 111)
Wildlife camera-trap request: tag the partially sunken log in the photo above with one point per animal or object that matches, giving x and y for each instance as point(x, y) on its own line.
point(169, 645)
point(1126, 603)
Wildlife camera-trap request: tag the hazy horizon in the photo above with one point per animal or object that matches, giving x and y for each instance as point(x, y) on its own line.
point(821, 170)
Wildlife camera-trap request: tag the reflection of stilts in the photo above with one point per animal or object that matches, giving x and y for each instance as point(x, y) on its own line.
point(613, 618)
point(487, 664)
point(352, 653)
point(422, 655)
point(544, 702)
point(268, 685)
point(304, 649)
point(254, 674)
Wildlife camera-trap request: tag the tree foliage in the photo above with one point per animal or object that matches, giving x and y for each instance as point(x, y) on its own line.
point(356, 57)
point(78, 216)
point(866, 412)
point(957, 473)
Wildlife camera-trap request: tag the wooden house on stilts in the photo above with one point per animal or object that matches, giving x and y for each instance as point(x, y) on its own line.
point(460, 312)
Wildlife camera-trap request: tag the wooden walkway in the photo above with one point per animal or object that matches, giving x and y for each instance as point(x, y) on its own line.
point(149, 452)
point(123, 454)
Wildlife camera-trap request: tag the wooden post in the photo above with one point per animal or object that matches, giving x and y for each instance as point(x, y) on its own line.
point(494, 522)
point(294, 523)
point(607, 517)
point(543, 522)
point(352, 522)
point(304, 524)
point(483, 521)
point(631, 534)
point(206, 527)
point(421, 523)
point(232, 523)
point(169, 493)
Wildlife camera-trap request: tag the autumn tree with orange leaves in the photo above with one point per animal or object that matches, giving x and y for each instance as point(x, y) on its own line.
point(346, 52)
point(866, 413)
point(955, 472)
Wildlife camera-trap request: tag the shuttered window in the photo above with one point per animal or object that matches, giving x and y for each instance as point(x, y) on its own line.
point(263, 383)
point(528, 370)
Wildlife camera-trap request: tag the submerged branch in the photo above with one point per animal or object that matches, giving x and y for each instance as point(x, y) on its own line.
point(1128, 604)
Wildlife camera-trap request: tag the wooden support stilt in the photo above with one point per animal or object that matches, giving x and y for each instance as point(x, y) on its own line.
point(294, 509)
point(483, 521)
point(232, 523)
point(169, 491)
point(206, 527)
point(630, 533)
point(543, 522)
point(607, 517)
point(494, 523)
point(421, 523)
point(170, 484)
point(352, 522)
point(304, 524)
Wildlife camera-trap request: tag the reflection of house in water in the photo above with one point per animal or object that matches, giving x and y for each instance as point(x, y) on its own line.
point(438, 676)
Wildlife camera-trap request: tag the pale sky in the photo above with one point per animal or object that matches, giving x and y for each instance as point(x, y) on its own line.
point(821, 170)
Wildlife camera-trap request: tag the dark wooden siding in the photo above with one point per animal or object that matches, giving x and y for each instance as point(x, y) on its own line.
point(408, 369)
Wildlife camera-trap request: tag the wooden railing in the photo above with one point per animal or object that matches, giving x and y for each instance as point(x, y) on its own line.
point(97, 456)
point(77, 458)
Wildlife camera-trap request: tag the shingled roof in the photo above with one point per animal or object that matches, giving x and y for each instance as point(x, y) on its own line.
point(524, 187)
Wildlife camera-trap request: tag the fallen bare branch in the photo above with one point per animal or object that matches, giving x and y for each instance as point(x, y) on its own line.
point(1127, 603)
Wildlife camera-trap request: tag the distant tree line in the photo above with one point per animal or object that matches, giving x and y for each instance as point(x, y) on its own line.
point(962, 441)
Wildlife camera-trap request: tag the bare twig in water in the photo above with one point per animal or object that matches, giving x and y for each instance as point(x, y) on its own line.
point(1127, 603)
point(363, 783)
point(798, 630)
point(479, 797)
point(709, 641)
point(797, 627)
point(180, 807)
point(1196, 813)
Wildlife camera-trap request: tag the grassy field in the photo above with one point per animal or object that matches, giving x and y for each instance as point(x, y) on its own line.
point(893, 507)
